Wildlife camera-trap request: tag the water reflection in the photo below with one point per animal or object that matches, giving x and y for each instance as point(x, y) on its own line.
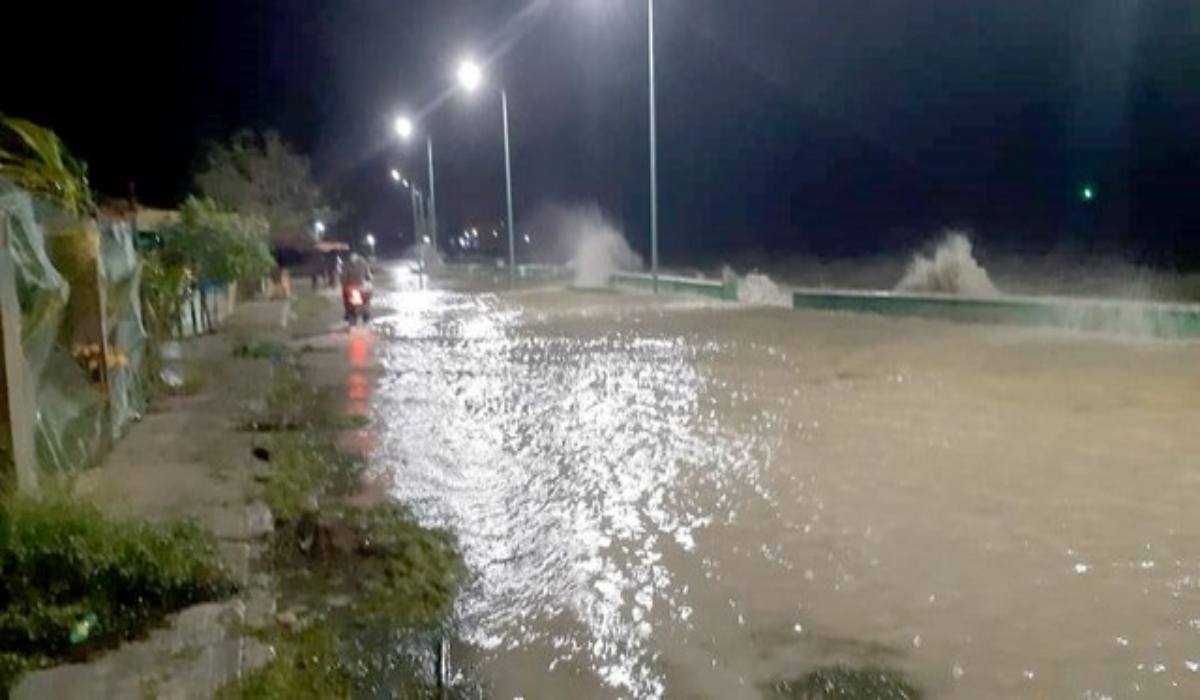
point(359, 384)
point(556, 461)
point(699, 501)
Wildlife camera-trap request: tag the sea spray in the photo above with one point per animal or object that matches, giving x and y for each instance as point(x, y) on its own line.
point(760, 290)
point(424, 258)
point(951, 270)
point(590, 244)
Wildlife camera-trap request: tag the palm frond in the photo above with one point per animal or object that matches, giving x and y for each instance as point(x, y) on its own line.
point(35, 159)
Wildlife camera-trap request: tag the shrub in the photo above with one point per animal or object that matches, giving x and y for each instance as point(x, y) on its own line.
point(73, 581)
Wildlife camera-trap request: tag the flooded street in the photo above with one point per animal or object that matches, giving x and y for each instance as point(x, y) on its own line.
point(672, 498)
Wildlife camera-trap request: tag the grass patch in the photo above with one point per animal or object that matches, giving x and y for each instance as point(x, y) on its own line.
point(333, 658)
point(299, 471)
point(289, 403)
point(290, 400)
point(399, 578)
point(74, 581)
point(308, 664)
point(404, 572)
point(846, 683)
point(345, 422)
point(261, 349)
point(304, 460)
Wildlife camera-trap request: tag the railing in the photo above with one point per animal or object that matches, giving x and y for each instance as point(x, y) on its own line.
point(716, 289)
point(1145, 319)
point(205, 309)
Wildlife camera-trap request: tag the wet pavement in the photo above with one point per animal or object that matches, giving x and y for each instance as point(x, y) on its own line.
point(677, 498)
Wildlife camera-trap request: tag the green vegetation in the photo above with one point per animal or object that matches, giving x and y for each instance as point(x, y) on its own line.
point(73, 581)
point(217, 244)
point(261, 349)
point(262, 176)
point(397, 579)
point(307, 664)
point(404, 581)
point(35, 159)
point(846, 683)
point(406, 574)
point(333, 658)
point(299, 469)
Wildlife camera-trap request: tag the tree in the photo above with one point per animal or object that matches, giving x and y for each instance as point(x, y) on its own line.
point(260, 175)
point(216, 244)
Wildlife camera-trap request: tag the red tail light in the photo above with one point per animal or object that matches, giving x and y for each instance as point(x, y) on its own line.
point(356, 297)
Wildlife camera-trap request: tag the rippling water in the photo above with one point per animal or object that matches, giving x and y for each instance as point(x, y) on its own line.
point(663, 498)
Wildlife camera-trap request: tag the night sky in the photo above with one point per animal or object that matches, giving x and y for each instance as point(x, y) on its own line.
point(807, 126)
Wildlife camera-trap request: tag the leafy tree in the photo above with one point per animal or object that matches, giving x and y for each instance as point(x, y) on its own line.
point(35, 159)
point(260, 175)
point(217, 244)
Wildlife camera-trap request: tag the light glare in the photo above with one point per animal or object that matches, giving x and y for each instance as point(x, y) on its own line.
point(404, 127)
point(470, 75)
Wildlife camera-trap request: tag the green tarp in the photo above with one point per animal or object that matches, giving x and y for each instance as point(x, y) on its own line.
point(72, 414)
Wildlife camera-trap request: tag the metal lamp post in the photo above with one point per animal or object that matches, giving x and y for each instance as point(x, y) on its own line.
point(416, 203)
point(470, 77)
point(404, 129)
point(653, 163)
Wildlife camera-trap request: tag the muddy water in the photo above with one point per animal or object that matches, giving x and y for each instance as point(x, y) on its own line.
point(667, 499)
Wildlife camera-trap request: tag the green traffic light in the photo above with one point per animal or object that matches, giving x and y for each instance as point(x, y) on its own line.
point(1087, 194)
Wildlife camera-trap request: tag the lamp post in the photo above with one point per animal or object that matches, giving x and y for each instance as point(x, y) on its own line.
point(470, 77)
point(653, 162)
point(404, 129)
point(415, 204)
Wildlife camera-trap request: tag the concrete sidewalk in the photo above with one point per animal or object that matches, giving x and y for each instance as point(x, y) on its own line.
point(187, 458)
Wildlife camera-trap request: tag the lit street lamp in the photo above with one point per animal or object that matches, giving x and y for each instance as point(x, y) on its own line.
point(404, 129)
point(470, 77)
point(319, 227)
point(369, 239)
point(416, 203)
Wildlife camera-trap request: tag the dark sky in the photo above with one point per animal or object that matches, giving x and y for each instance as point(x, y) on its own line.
point(784, 125)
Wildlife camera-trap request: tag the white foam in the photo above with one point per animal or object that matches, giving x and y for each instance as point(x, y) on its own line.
point(761, 290)
point(951, 270)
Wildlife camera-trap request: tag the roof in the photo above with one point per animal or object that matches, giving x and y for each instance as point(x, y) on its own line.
point(151, 219)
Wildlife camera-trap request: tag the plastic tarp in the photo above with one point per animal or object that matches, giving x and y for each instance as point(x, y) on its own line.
point(126, 333)
point(70, 410)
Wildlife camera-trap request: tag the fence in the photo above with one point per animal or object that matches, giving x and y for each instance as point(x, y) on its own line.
point(74, 342)
point(205, 309)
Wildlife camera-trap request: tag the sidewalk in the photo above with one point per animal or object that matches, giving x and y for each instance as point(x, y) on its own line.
point(187, 458)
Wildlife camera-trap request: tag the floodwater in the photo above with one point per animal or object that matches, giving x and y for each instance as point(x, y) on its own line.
point(667, 498)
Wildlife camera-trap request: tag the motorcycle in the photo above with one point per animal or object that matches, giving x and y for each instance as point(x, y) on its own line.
point(356, 298)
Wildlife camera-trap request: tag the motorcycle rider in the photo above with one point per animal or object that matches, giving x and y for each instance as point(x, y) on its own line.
point(356, 273)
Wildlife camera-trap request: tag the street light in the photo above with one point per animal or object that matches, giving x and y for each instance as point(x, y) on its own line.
point(320, 228)
point(404, 129)
point(470, 77)
point(369, 239)
point(653, 162)
point(415, 202)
